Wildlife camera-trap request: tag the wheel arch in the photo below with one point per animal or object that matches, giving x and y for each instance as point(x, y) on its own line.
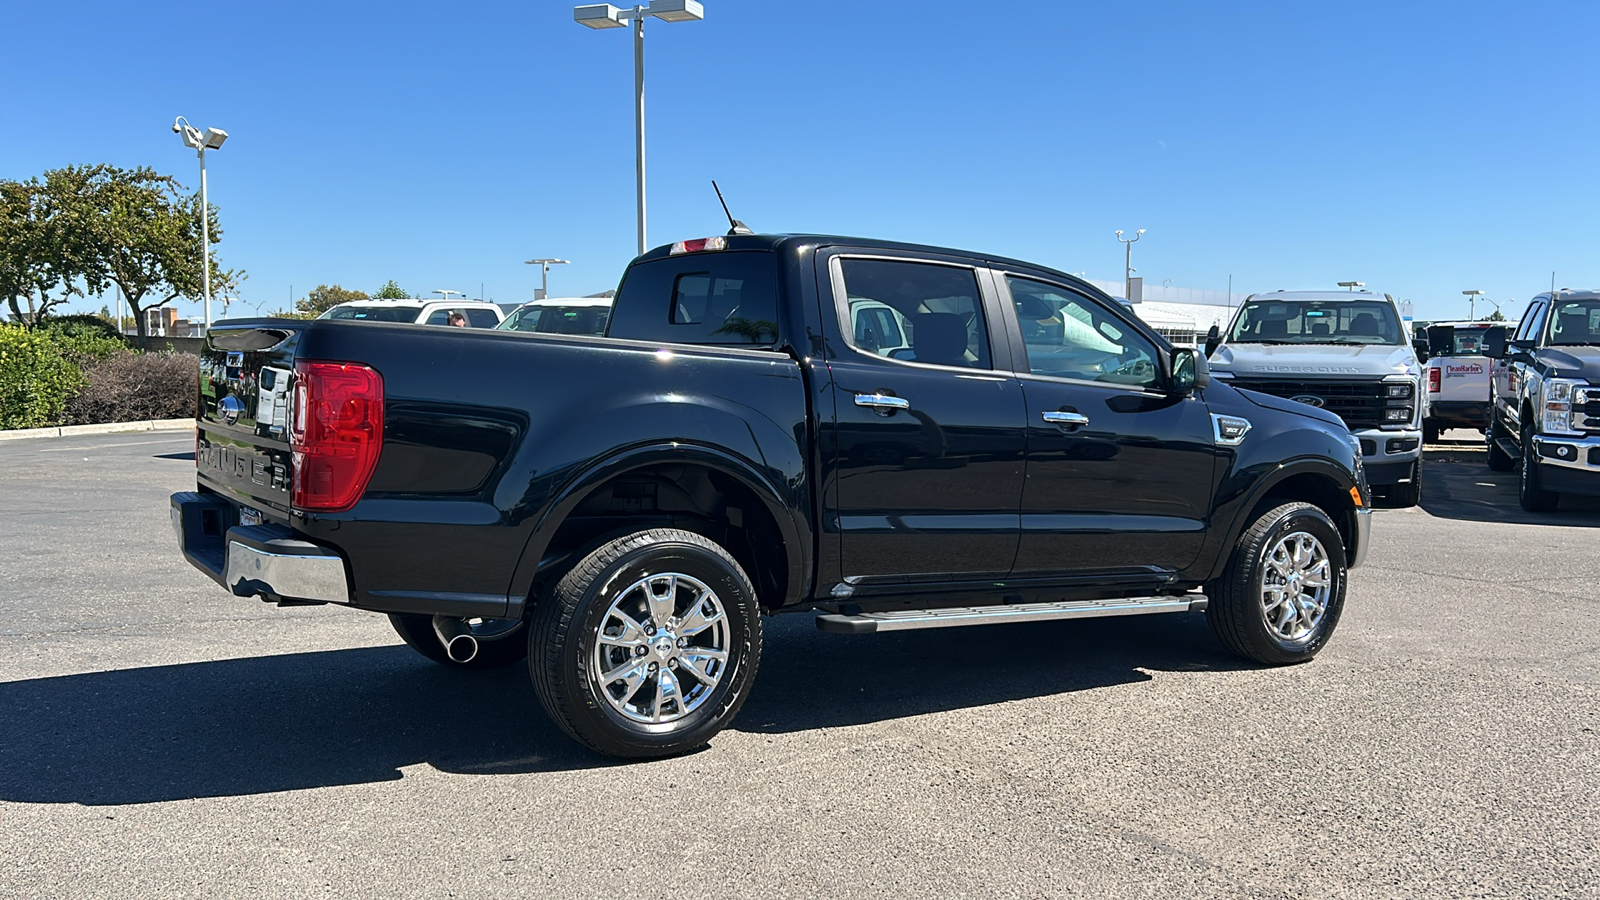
point(1318, 482)
point(773, 543)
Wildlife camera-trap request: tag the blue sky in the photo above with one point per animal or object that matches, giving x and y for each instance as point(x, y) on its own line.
point(1421, 147)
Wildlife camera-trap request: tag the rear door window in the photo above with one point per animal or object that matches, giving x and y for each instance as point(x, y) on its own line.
point(718, 297)
point(482, 318)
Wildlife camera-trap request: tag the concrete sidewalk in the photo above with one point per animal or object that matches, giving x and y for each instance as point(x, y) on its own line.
point(107, 428)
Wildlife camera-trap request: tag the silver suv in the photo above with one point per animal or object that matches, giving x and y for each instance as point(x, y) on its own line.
point(1344, 351)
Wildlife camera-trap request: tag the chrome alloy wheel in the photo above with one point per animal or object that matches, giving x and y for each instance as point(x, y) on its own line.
point(661, 649)
point(1295, 586)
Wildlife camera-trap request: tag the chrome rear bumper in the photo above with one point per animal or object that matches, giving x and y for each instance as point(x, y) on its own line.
point(269, 561)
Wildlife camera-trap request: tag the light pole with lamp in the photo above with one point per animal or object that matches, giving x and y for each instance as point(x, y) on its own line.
point(446, 293)
point(1127, 262)
point(1352, 285)
point(200, 142)
point(604, 15)
point(544, 273)
point(1472, 304)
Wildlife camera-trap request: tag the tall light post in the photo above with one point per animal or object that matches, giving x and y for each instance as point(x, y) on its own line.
point(446, 293)
point(604, 15)
point(200, 142)
point(544, 273)
point(1352, 285)
point(1127, 262)
point(1472, 304)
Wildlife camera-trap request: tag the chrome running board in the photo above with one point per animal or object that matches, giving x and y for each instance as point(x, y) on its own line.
point(908, 619)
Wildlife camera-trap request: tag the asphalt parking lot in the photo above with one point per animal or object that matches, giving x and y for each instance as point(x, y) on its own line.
point(159, 738)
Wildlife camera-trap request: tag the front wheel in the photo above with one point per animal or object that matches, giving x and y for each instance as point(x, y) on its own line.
point(1430, 431)
point(1530, 488)
point(1404, 495)
point(648, 646)
point(1281, 595)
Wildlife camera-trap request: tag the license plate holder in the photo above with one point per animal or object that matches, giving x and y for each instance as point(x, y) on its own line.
point(248, 516)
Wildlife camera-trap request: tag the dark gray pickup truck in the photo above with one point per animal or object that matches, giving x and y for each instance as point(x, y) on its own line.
point(890, 436)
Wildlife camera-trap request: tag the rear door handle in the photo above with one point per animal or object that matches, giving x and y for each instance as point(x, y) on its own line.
point(1065, 419)
point(882, 401)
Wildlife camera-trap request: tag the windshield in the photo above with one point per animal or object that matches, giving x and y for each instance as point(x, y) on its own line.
point(374, 313)
point(1273, 321)
point(1574, 323)
point(558, 319)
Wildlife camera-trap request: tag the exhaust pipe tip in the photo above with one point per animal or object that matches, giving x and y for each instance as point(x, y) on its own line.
point(459, 644)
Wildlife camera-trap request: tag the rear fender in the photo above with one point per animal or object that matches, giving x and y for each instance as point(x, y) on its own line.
point(796, 537)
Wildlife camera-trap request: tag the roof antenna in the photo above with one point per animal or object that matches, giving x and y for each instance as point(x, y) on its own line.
point(736, 226)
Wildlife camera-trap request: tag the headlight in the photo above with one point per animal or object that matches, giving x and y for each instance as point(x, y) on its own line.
point(1557, 405)
point(1399, 390)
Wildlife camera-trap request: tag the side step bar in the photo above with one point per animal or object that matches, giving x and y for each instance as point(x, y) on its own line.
point(908, 619)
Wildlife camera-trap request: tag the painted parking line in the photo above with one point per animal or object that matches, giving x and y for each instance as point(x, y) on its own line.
point(185, 440)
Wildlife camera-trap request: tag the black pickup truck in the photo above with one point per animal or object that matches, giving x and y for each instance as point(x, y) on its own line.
point(1544, 411)
point(892, 436)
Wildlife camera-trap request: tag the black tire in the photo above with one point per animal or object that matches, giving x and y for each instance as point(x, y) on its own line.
point(1237, 612)
point(1430, 432)
point(417, 632)
point(1530, 486)
point(1405, 495)
point(1499, 460)
point(565, 644)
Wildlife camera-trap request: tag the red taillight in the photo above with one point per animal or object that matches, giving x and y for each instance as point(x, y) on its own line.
point(336, 431)
point(696, 246)
point(1433, 381)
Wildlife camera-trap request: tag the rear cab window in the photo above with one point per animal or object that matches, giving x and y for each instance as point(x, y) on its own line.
point(715, 297)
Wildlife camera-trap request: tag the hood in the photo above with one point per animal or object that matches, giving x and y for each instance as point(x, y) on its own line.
point(1572, 362)
point(1268, 401)
point(1314, 360)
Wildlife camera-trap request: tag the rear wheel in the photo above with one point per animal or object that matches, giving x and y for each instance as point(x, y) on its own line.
point(1499, 459)
point(648, 646)
point(1530, 488)
point(500, 641)
point(1281, 595)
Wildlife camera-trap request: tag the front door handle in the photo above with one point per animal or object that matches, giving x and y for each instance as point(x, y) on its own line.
point(1065, 419)
point(882, 401)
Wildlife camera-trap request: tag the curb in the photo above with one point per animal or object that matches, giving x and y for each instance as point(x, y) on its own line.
point(61, 431)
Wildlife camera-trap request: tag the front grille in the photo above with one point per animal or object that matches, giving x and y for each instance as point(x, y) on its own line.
point(1586, 411)
point(1359, 403)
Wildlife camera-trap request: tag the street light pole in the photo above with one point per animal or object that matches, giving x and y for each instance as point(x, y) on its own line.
point(1127, 262)
point(544, 274)
point(604, 15)
point(1472, 304)
point(200, 142)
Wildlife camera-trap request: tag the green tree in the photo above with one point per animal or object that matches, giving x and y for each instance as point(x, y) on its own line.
point(391, 291)
point(143, 232)
point(325, 296)
point(1497, 316)
point(44, 247)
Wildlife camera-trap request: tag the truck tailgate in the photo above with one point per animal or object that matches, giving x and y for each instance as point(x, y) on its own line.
point(242, 436)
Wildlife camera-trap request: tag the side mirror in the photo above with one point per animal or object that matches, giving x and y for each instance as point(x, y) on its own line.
point(1213, 340)
point(1189, 371)
point(1441, 340)
point(1494, 343)
point(1422, 347)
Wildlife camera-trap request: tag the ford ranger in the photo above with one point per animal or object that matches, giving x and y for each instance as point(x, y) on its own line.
point(1001, 443)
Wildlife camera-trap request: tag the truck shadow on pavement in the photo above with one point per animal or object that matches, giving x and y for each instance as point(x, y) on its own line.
point(307, 720)
point(1457, 484)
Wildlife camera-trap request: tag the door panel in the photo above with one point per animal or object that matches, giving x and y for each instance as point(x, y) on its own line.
point(1120, 475)
point(928, 437)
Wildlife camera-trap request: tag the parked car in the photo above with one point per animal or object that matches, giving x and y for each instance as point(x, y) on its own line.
point(625, 509)
point(417, 311)
point(1545, 412)
point(561, 315)
point(1457, 379)
point(1343, 351)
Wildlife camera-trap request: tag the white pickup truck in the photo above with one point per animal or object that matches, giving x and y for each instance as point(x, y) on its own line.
point(1457, 377)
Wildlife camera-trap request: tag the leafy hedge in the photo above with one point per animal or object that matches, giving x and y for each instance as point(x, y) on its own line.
point(74, 370)
point(133, 387)
point(36, 378)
